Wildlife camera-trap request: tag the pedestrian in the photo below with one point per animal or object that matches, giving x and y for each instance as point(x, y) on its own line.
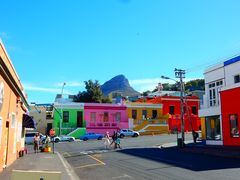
point(36, 142)
point(107, 140)
point(114, 137)
point(195, 136)
point(118, 142)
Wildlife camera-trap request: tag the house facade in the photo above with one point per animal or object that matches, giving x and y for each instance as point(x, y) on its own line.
point(147, 118)
point(220, 111)
point(172, 106)
point(13, 108)
point(69, 119)
point(101, 118)
point(43, 116)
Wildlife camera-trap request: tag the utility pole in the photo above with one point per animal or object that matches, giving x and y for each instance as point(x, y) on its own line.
point(179, 73)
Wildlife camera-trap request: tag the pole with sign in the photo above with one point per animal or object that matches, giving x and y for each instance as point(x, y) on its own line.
point(52, 134)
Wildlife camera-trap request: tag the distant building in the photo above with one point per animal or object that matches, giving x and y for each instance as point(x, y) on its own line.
point(220, 111)
point(147, 118)
point(43, 116)
point(101, 118)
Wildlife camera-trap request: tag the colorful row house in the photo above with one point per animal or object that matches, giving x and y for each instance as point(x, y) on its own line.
point(220, 112)
point(69, 119)
point(171, 109)
point(102, 118)
point(13, 109)
point(77, 118)
point(147, 118)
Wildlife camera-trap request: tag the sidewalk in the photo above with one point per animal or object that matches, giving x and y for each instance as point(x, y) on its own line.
point(41, 162)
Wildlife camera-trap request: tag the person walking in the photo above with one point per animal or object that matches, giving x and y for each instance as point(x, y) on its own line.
point(114, 137)
point(118, 143)
point(107, 140)
point(36, 142)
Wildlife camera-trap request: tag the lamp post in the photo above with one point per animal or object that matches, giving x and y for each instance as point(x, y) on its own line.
point(61, 117)
point(180, 74)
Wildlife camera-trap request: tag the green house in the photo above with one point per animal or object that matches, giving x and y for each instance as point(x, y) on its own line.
point(69, 119)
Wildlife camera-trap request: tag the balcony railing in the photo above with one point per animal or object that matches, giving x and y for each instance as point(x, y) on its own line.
point(103, 124)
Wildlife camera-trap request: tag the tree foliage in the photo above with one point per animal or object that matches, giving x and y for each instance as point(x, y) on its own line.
point(197, 84)
point(92, 94)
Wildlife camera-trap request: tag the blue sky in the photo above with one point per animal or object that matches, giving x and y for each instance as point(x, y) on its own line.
point(56, 41)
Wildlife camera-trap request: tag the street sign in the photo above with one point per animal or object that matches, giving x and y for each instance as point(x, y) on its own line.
point(52, 132)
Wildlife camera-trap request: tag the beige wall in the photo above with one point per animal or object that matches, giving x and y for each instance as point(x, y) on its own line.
point(39, 115)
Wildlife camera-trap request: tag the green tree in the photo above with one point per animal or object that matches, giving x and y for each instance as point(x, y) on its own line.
point(92, 94)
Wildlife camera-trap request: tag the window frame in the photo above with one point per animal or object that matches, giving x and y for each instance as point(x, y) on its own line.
point(234, 133)
point(65, 117)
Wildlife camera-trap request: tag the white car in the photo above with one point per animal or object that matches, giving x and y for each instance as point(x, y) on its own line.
point(30, 135)
point(57, 139)
point(128, 132)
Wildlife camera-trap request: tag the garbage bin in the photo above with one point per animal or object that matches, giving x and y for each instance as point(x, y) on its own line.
point(180, 142)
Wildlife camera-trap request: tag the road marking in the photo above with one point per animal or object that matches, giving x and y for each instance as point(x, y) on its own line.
point(66, 154)
point(68, 168)
point(97, 160)
point(124, 176)
point(88, 165)
point(100, 163)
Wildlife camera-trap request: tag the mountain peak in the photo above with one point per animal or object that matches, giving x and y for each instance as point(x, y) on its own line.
point(118, 84)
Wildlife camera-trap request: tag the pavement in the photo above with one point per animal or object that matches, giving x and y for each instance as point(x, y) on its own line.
point(41, 162)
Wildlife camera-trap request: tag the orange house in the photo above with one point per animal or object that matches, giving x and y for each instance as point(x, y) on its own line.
point(13, 105)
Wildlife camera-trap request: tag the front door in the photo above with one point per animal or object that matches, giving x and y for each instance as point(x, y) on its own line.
point(79, 119)
point(49, 126)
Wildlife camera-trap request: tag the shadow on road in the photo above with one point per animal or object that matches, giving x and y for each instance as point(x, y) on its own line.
point(180, 158)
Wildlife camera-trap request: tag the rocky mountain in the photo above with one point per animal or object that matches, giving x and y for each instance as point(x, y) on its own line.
point(118, 85)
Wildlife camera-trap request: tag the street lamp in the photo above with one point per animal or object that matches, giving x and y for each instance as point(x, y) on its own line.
point(61, 117)
point(180, 74)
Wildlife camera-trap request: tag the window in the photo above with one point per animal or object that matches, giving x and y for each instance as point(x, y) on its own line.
point(48, 115)
point(118, 116)
point(171, 110)
point(234, 132)
point(213, 128)
point(154, 114)
point(237, 78)
point(194, 110)
point(134, 114)
point(65, 116)
point(105, 117)
point(13, 121)
point(144, 114)
point(93, 117)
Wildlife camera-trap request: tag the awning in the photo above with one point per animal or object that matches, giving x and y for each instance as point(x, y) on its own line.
point(28, 122)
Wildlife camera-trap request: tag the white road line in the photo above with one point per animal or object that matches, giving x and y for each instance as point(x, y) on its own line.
point(124, 176)
point(68, 168)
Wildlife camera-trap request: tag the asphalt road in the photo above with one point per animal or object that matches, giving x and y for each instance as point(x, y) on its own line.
point(141, 158)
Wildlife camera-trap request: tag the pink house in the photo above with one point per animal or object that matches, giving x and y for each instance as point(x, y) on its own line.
point(101, 118)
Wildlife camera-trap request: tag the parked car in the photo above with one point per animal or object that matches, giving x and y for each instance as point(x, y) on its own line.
point(66, 138)
point(91, 136)
point(128, 132)
point(29, 137)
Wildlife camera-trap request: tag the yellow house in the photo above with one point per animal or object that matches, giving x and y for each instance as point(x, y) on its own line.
point(147, 118)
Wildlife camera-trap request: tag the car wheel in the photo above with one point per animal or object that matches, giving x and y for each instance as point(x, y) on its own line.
point(99, 138)
point(57, 140)
point(121, 135)
point(135, 135)
point(70, 140)
point(85, 139)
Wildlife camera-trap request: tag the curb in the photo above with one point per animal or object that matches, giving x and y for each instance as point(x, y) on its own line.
point(68, 168)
